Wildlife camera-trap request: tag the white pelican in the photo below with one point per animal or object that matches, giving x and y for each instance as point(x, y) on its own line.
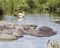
point(21, 16)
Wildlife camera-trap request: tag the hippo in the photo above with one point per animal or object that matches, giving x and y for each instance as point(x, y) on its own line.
point(10, 31)
point(29, 26)
point(57, 21)
point(7, 37)
point(41, 32)
point(47, 31)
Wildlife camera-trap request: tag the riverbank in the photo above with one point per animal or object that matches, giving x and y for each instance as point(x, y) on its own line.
point(33, 6)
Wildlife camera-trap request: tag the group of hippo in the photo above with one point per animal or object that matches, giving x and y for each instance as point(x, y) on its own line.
point(11, 31)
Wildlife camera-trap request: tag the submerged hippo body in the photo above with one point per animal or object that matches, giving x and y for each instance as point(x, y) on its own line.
point(41, 32)
point(57, 21)
point(29, 26)
point(47, 31)
point(9, 31)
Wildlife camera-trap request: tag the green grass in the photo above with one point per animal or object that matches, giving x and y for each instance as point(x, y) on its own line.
point(12, 7)
point(53, 44)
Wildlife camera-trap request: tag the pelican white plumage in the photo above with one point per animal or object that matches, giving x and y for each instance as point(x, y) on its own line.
point(21, 16)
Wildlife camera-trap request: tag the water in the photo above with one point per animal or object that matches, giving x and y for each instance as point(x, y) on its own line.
point(31, 41)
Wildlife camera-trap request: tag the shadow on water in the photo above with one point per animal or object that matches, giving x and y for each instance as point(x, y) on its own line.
point(1, 14)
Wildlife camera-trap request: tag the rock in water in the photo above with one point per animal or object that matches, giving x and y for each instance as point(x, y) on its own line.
point(17, 34)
